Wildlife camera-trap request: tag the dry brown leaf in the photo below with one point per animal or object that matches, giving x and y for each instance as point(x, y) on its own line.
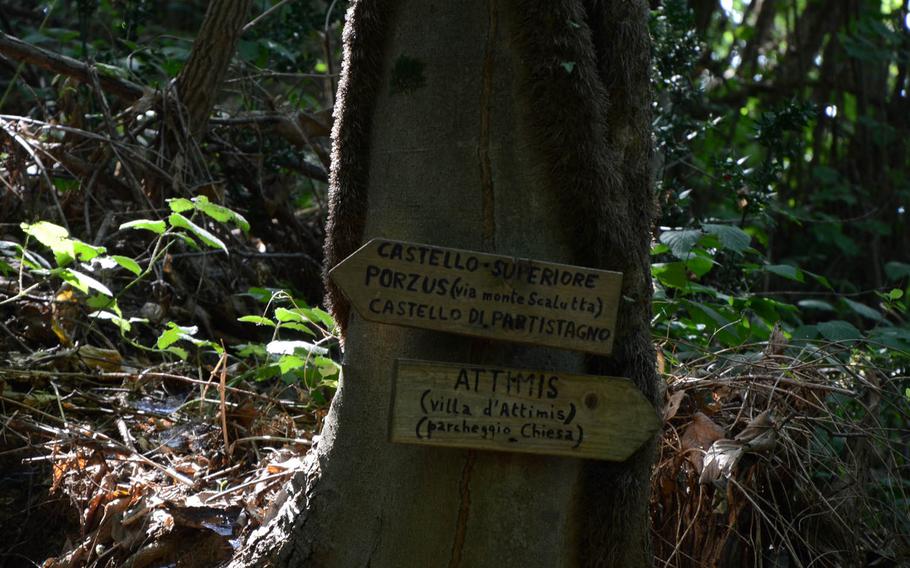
point(760, 434)
point(698, 437)
point(101, 359)
point(673, 403)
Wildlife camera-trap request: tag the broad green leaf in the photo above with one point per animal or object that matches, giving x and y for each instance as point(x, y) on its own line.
point(681, 242)
point(102, 302)
point(53, 237)
point(85, 251)
point(815, 305)
point(289, 363)
point(325, 362)
point(839, 330)
point(123, 324)
point(896, 270)
point(895, 294)
point(659, 248)
point(178, 220)
point(286, 315)
point(156, 227)
point(175, 333)
point(670, 274)
point(298, 327)
point(178, 351)
point(82, 282)
point(699, 262)
point(251, 350)
point(323, 316)
point(258, 320)
point(261, 295)
point(128, 263)
point(220, 213)
point(863, 310)
point(731, 236)
point(180, 204)
point(804, 332)
point(786, 271)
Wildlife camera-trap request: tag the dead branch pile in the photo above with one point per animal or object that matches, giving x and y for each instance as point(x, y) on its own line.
point(783, 457)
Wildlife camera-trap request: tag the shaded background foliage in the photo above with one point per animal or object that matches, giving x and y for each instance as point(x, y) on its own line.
point(781, 174)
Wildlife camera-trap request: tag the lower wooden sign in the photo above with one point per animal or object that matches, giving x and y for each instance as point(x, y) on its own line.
point(537, 412)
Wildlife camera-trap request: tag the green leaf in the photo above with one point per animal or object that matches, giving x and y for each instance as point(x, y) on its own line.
point(815, 305)
point(786, 271)
point(896, 270)
point(670, 274)
point(258, 320)
point(85, 251)
point(286, 315)
point(298, 327)
point(251, 350)
point(123, 324)
point(289, 363)
point(82, 282)
point(681, 242)
point(53, 237)
point(895, 294)
point(261, 295)
point(732, 237)
point(839, 330)
point(220, 213)
point(699, 263)
point(659, 248)
point(863, 310)
point(102, 302)
point(128, 263)
point(323, 317)
point(156, 227)
point(805, 332)
point(175, 333)
point(178, 220)
point(178, 351)
point(180, 204)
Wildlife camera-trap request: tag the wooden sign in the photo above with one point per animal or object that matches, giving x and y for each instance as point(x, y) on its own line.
point(537, 412)
point(483, 295)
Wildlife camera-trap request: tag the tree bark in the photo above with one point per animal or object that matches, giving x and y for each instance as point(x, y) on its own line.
point(517, 127)
point(213, 48)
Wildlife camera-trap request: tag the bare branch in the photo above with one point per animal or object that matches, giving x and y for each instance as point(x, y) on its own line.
point(22, 51)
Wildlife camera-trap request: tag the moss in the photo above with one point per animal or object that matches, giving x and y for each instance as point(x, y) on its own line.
point(407, 75)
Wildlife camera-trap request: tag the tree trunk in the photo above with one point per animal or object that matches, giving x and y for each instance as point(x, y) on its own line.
point(520, 128)
point(213, 48)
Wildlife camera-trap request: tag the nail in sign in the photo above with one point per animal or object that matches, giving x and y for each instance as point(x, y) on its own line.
point(483, 295)
point(537, 412)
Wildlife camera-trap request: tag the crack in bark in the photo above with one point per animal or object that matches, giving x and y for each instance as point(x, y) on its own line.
point(483, 150)
point(461, 526)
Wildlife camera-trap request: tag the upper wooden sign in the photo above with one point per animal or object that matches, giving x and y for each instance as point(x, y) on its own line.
point(483, 295)
point(538, 412)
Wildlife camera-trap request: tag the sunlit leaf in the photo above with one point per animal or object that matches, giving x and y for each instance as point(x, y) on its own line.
point(178, 220)
point(156, 227)
point(128, 263)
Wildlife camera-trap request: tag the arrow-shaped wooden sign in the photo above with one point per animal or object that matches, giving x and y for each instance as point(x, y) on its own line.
point(537, 412)
point(484, 295)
